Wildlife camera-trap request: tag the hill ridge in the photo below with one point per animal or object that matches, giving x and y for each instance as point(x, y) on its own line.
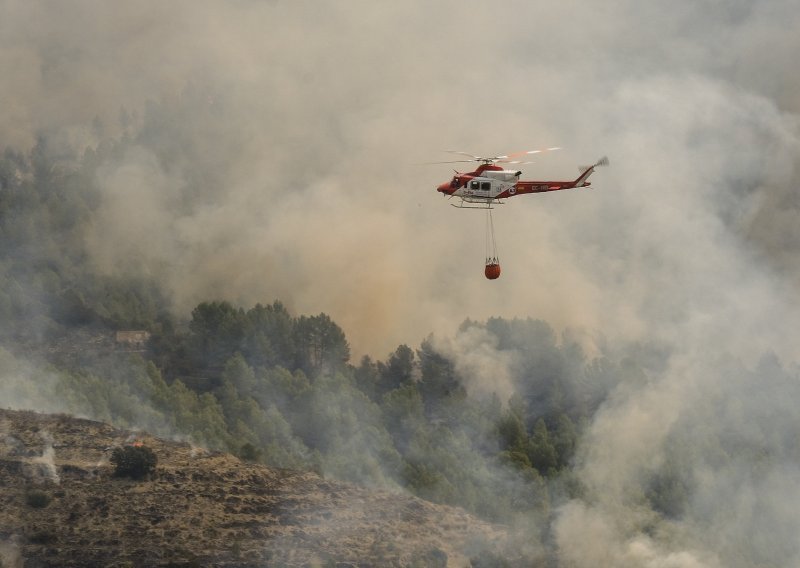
point(204, 508)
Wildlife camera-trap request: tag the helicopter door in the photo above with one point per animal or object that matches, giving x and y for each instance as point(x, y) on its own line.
point(481, 188)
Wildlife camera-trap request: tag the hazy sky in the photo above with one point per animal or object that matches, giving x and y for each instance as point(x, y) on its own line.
point(312, 118)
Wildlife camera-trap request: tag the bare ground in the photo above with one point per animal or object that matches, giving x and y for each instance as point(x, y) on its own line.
point(204, 508)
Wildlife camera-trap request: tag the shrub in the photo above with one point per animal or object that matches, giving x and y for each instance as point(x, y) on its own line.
point(37, 499)
point(45, 536)
point(434, 558)
point(133, 461)
point(248, 452)
point(488, 560)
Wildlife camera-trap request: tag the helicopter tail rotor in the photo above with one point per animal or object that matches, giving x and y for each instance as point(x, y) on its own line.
point(601, 162)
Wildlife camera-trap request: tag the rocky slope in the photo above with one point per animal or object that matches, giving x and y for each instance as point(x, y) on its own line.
point(60, 505)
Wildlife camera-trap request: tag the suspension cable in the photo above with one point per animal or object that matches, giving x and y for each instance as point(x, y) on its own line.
point(491, 243)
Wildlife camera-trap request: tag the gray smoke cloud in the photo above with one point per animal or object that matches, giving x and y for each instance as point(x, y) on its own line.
point(305, 121)
point(294, 128)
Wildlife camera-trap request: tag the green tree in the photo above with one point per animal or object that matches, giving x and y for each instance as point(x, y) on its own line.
point(540, 450)
point(403, 413)
point(367, 378)
point(398, 370)
point(511, 430)
point(217, 330)
point(439, 380)
point(347, 429)
point(268, 338)
point(240, 375)
point(564, 440)
point(319, 345)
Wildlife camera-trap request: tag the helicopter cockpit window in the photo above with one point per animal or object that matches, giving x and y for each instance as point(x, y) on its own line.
point(474, 185)
point(486, 186)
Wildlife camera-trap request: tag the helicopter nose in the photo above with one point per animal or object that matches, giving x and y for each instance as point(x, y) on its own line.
point(444, 188)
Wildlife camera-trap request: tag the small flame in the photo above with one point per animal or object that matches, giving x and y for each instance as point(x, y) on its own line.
point(138, 444)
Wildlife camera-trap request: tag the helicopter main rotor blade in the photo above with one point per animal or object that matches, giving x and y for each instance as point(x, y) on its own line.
point(465, 154)
point(515, 162)
point(475, 158)
point(505, 159)
point(450, 162)
point(527, 153)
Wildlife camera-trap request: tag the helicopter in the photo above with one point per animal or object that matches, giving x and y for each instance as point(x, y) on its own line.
point(490, 184)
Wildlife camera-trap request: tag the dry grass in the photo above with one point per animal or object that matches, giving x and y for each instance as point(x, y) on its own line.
point(201, 508)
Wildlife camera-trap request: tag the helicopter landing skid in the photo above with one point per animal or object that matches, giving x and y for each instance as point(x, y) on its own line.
point(477, 204)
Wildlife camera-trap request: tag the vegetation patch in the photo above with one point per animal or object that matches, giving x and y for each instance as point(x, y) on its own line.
point(37, 499)
point(135, 462)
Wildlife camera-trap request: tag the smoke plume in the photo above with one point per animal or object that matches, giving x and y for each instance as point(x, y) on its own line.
point(274, 157)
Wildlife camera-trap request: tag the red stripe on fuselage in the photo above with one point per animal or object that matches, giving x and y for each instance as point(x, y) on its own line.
point(523, 187)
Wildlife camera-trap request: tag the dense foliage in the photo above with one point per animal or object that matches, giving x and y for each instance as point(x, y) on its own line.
point(47, 200)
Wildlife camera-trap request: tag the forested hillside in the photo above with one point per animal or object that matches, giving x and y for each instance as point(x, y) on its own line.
point(509, 418)
point(280, 390)
point(271, 386)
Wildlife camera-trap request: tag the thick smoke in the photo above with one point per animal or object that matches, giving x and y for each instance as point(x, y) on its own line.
point(293, 128)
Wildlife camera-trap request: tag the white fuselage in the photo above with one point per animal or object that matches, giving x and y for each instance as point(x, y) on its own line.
point(485, 187)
